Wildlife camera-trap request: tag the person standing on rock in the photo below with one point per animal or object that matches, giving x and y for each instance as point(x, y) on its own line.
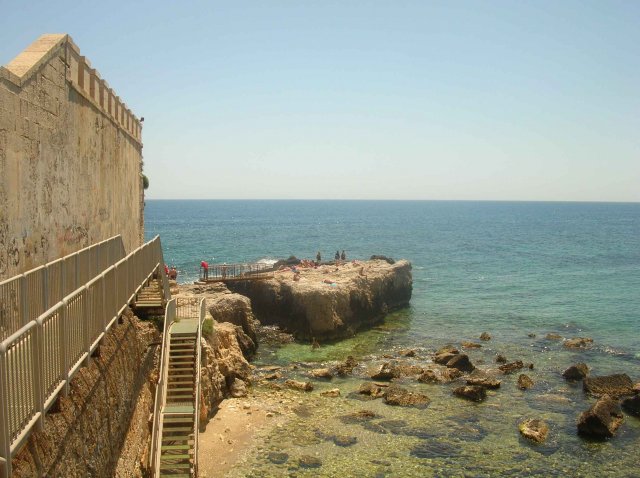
point(205, 270)
point(318, 258)
point(343, 256)
point(337, 256)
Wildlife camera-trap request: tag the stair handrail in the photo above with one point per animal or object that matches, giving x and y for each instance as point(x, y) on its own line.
point(166, 289)
point(201, 319)
point(161, 387)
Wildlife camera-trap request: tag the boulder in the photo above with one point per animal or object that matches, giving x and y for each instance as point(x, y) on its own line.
point(602, 419)
point(334, 392)
point(272, 376)
point(534, 429)
point(384, 372)
point(461, 362)
point(429, 376)
point(483, 380)
point(238, 389)
point(451, 374)
point(321, 373)
point(485, 336)
point(616, 385)
point(578, 342)
point(447, 349)
point(407, 353)
point(401, 397)
point(443, 358)
point(406, 370)
point(632, 405)
point(297, 385)
point(475, 393)
point(370, 388)
point(511, 367)
point(524, 382)
point(636, 387)
point(236, 309)
point(576, 372)
point(531, 335)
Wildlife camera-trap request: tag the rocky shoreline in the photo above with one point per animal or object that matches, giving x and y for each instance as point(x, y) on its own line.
point(267, 397)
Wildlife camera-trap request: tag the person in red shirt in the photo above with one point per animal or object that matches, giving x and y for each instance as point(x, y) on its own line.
point(205, 270)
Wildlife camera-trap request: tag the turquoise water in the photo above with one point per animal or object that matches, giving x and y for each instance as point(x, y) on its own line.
point(510, 269)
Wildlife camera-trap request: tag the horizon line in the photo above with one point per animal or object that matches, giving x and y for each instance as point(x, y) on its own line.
point(566, 201)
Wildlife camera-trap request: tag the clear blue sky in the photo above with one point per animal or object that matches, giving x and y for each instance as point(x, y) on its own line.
point(357, 100)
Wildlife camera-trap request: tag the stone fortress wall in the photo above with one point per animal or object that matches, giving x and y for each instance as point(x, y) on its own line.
point(70, 158)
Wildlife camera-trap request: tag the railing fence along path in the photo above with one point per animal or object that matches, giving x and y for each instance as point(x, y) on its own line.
point(25, 297)
point(39, 358)
point(230, 272)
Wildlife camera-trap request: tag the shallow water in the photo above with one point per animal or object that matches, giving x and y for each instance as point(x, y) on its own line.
point(506, 268)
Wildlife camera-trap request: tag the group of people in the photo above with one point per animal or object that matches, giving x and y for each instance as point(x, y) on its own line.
point(171, 273)
point(338, 256)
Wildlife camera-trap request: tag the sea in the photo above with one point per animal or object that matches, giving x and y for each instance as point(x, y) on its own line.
point(516, 270)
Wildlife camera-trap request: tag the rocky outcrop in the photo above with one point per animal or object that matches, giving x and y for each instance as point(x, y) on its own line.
point(398, 396)
point(483, 380)
point(578, 342)
point(576, 372)
point(616, 385)
point(330, 301)
point(534, 429)
point(511, 367)
point(602, 419)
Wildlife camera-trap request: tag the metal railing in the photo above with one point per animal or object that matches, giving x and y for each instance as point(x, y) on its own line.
point(38, 360)
point(230, 272)
point(161, 388)
point(25, 297)
point(175, 311)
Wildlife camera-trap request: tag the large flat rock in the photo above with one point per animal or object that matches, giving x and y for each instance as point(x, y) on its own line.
point(329, 301)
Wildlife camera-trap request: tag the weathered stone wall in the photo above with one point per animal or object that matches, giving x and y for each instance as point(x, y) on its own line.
point(70, 158)
point(102, 427)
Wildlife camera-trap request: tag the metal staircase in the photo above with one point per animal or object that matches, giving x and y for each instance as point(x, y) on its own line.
point(176, 420)
point(151, 297)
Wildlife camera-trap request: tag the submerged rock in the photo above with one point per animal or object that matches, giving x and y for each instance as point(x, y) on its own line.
point(346, 367)
point(602, 419)
point(334, 392)
point(371, 389)
point(534, 429)
point(632, 405)
point(435, 449)
point(576, 372)
point(483, 380)
point(524, 382)
point(398, 396)
point(485, 336)
point(407, 353)
point(578, 342)
point(297, 385)
point(308, 461)
point(475, 393)
point(359, 417)
point(470, 345)
point(511, 367)
point(277, 457)
point(501, 358)
point(553, 336)
point(616, 385)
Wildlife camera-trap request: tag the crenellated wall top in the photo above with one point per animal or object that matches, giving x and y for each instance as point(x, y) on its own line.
point(79, 74)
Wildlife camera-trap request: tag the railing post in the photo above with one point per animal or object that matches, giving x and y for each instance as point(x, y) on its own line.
point(5, 440)
point(63, 344)
point(36, 361)
point(45, 289)
point(23, 301)
point(86, 313)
